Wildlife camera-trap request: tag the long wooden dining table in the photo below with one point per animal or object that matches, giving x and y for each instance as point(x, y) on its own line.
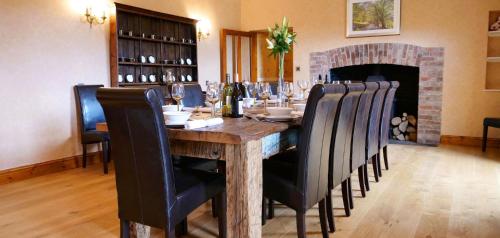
point(243, 143)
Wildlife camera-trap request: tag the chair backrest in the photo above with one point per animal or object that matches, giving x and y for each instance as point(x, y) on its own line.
point(361, 126)
point(89, 110)
point(314, 141)
point(340, 148)
point(373, 132)
point(193, 95)
point(386, 114)
point(144, 170)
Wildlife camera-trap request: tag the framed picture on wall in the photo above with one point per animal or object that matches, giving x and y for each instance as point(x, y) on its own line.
point(373, 17)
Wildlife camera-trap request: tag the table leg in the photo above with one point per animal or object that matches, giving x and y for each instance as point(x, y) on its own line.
point(244, 189)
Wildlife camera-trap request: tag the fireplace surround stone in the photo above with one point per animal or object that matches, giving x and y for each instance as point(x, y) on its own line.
point(430, 61)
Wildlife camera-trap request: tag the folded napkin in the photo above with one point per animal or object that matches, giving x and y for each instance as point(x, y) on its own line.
point(203, 123)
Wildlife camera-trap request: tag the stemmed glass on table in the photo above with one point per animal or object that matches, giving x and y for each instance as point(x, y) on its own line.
point(213, 95)
point(178, 93)
point(288, 91)
point(264, 91)
point(303, 85)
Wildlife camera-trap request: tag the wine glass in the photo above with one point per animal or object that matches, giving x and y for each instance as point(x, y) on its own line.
point(303, 85)
point(213, 95)
point(264, 91)
point(177, 93)
point(288, 90)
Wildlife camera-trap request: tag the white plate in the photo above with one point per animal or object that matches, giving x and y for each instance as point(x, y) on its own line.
point(269, 101)
point(189, 78)
point(278, 118)
point(151, 59)
point(120, 78)
point(181, 61)
point(168, 123)
point(143, 59)
point(129, 78)
point(144, 79)
point(164, 78)
point(183, 78)
point(152, 78)
point(188, 61)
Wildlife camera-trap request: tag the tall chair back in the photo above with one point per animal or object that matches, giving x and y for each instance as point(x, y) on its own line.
point(340, 149)
point(314, 142)
point(144, 171)
point(373, 135)
point(193, 95)
point(386, 114)
point(361, 126)
point(89, 109)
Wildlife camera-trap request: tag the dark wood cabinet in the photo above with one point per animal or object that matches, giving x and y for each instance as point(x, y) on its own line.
point(148, 44)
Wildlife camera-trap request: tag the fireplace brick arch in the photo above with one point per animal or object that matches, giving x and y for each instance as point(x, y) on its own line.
point(429, 60)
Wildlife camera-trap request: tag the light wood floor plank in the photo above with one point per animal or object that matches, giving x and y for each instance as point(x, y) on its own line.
point(446, 191)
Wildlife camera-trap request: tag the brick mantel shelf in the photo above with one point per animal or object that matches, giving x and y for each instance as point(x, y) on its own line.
point(429, 60)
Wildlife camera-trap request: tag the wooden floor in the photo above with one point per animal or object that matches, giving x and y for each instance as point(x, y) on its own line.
point(445, 191)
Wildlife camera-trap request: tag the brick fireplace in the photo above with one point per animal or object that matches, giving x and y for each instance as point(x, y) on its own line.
point(430, 62)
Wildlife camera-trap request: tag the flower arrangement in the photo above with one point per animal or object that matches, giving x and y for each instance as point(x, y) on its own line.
point(279, 42)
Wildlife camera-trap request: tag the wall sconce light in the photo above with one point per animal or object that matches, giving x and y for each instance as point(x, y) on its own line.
point(92, 18)
point(203, 29)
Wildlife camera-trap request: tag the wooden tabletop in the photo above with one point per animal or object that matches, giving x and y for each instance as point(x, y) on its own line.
point(232, 131)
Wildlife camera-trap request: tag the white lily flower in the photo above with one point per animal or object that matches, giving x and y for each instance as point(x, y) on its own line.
point(270, 44)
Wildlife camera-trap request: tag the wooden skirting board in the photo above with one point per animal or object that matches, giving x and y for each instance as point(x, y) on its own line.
point(468, 141)
point(48, 167)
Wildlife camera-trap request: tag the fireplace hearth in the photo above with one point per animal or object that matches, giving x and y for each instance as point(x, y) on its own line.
point(418, 69)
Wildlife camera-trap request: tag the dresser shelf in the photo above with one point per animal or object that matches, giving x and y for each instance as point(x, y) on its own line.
point(145, 22)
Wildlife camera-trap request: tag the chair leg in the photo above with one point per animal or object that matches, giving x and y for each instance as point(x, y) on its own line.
point(361, 178)
point(485, 137)
point(367, 182)
point(375, 170)
point(322, 218)
point(379, 165)
point(214, 207)
point(182, 228)
point(124, 228)
point(329, 211)
point(386, 161)
point(345, 198)
point(301, 225)
point(264, 210)
point(170, 234)
point(270, 214)
point(84, 156)
point(221, 205)
point(349, 190)
point(105, 156)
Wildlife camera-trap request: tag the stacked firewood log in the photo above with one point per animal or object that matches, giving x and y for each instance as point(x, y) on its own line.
point(404, 128)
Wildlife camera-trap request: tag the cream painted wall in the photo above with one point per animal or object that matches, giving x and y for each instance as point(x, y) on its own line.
point(457, 25)
point(46, 50)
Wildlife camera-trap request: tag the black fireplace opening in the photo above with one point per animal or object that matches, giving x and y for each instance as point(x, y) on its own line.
point(406, 98)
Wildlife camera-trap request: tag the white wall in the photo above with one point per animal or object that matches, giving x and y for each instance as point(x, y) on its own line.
point(46, 50)
point(460, 26)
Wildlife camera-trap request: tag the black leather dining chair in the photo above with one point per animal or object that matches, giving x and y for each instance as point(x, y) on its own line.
point(487, 122)
point(339, 172)
point(373, 132)
point(151, 191)
point(385, 122)
point(193, 95)
point(358, 158)
point(89, 112)
point(298, 178)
